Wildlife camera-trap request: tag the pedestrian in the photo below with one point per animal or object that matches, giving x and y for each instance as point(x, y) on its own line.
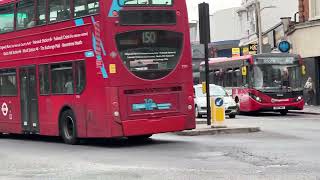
point(309, 89)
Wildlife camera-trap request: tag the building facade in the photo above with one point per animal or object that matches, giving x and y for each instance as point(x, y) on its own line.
point(305, 39)
point(271, 13)
point(224, 32)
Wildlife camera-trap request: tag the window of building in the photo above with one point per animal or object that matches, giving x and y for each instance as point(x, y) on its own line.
point(314, 9)
point(44, 79)
point(62, 78)
point(8, 82)
point(25, 14)
point(59, 10)
point(80, 76)
point(85, 7)
point(41, 12)
point(6, 18)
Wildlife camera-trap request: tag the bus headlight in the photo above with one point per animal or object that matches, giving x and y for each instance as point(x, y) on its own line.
point(256, 98)
point(190, 107)
point(299, 98)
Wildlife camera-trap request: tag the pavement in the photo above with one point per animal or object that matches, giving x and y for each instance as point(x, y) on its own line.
point(309, 110)
point(228, 128)
point(232, 127)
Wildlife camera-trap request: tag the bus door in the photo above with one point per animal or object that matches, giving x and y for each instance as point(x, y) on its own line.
point(29, 99)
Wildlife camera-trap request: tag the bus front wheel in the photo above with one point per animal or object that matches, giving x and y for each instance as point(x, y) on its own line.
point(284, 112)
point(68, 128)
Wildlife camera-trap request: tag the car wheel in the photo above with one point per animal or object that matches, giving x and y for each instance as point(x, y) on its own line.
point(197, 114)
point(68, 128)
point(284, 112)
point(232, 116)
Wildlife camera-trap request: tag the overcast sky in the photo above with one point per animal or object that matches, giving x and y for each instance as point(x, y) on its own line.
point(214, 6)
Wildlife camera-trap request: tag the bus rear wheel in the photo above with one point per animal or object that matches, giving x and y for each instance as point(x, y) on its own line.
point(284, 112)
point(139, 138)
point(68, 128)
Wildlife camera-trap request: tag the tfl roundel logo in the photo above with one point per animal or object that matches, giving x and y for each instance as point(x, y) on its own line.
point(284, 46)
point(4, 109)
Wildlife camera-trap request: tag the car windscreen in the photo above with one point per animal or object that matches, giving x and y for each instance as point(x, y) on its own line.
point(214, 91)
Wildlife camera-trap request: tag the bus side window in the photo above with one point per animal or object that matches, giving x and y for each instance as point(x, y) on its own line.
point(62, 78)
point(25, 14)
point(44, 79)
point(8, 82)
point(85, 7)
point(6, 18)
point(245, 79)
point(41, 12)
point(59, 10)
point(80, 76)
point(237, 77)
point(228, 78)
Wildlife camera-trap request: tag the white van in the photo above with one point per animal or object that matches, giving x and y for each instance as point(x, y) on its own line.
point(200, 100)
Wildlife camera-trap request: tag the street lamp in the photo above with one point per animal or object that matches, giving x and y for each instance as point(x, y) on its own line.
point(258, 14)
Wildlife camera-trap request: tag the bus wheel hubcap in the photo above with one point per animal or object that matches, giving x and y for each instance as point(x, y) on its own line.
point(69, 127)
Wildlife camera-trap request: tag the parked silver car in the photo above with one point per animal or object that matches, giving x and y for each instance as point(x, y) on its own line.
point(231, 108)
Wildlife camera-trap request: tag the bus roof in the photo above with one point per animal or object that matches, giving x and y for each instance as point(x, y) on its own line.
point(247, 57)
point(226, 59)
point(6, 1)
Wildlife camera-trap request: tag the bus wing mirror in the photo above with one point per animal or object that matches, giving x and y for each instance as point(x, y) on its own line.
point(244, 71)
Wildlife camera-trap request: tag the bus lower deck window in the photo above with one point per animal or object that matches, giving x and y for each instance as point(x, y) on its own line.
point(8, 82)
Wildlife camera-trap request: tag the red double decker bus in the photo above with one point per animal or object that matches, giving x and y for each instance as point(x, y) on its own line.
point(264, 82)
point(90, 68)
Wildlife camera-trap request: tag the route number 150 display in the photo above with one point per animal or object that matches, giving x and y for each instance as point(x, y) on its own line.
point(149, 37)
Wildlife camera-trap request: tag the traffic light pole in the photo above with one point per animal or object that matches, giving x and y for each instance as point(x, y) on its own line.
point(206, 52)
point(204, 26)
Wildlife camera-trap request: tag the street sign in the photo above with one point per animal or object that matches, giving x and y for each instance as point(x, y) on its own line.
point(244, 71)
point(303, 70)
point(219, 102)
point(204, 87)
point(284, 46)
point(217, 111)
point(245, 51)
point(235, 52)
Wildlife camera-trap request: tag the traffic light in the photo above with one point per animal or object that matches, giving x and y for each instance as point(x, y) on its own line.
point(204, 23)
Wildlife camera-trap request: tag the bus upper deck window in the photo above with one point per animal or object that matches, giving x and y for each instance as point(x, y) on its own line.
point(6, 18)
point(41, 12)
point(25, 14)
point(85, 7)
point(59, 10)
